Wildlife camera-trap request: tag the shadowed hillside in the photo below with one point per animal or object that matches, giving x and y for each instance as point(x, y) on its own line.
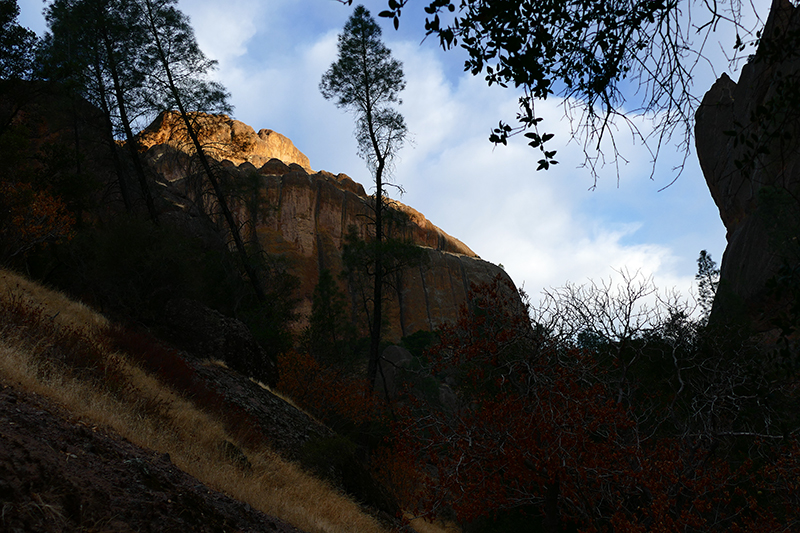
point(144, 438)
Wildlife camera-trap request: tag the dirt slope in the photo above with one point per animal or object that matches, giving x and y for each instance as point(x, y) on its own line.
point(60, 474)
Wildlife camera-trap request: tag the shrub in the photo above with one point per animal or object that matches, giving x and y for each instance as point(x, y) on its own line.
point(653, 425)
point(341, 400)
point(30, 218)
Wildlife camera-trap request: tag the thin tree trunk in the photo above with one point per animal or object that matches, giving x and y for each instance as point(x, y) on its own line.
point(377, 291)
point(112, 145)
point(126, 125)
point(234, 229)
point(223, 203)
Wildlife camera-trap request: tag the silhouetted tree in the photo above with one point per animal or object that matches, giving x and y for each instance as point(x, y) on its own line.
point(366, 80)
point(707, 278)
point(178, 67)
point(610, 60)
point(18, 47)
point(17, 44)
point(330, 334)
point(96, 46)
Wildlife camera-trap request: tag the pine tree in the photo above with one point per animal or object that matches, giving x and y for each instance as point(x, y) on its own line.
point(17, 44)
point(95, 46)
point(180, 69)
point(366, 80)
point(707, 278)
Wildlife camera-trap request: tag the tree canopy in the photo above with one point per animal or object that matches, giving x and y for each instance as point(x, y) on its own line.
point(177, 67)
point(17, 44)
point(610, 61)
point(367, 80)
point(117, 45)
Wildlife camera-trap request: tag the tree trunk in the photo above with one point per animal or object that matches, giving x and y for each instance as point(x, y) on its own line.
point(112, 145)
point(130, 141)
point(234, 229)
point(223, 203)
point(377, 291)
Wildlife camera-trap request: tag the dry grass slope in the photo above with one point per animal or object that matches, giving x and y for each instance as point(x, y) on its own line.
point(53, 346)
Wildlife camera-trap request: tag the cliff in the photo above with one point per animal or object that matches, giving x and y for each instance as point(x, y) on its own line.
point(223, 139)
point(747, 144)
point(304, 217)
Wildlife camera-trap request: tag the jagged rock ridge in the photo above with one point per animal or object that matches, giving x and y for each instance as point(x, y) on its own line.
point(305, 217)
point(224, 139)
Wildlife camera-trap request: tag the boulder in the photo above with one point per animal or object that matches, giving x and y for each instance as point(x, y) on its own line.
point(206, 333)
point(223, 138)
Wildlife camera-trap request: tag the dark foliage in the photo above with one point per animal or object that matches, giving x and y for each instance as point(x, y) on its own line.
point(130, 267)
point(610, 60)
point(17, 44)
point(658, 420)
point(330, 336)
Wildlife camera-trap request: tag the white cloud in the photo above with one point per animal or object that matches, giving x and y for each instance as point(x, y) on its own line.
point(223, 29)
point(535, 223)
point(544, 227)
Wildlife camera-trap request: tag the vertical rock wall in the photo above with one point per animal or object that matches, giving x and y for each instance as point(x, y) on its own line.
point(749, 149)
point(304, 217)
point(307, 219)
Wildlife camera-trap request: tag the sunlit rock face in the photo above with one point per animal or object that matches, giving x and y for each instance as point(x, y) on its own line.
point(304, 217)
point(748, 144)
point(223, 138)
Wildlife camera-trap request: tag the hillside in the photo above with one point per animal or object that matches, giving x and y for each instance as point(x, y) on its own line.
point(146, 438)
point(66, 474)
point(151, 400)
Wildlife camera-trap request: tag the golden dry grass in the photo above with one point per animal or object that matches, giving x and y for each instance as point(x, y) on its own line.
point(151, 415)
point(421, 525)
point(63, 311)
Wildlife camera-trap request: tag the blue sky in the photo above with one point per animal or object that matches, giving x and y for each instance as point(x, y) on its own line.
point(545, 228)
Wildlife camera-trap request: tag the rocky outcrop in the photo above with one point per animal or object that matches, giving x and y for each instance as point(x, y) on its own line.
point(224, 139)
point(305, 218)
point(209, 334)
point(747, 143)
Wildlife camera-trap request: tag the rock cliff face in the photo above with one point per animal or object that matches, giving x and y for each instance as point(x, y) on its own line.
point(305, 217)
point(747, 143)
point(223, 139)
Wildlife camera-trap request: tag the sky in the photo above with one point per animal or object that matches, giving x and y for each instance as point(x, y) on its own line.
point(545, 228)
